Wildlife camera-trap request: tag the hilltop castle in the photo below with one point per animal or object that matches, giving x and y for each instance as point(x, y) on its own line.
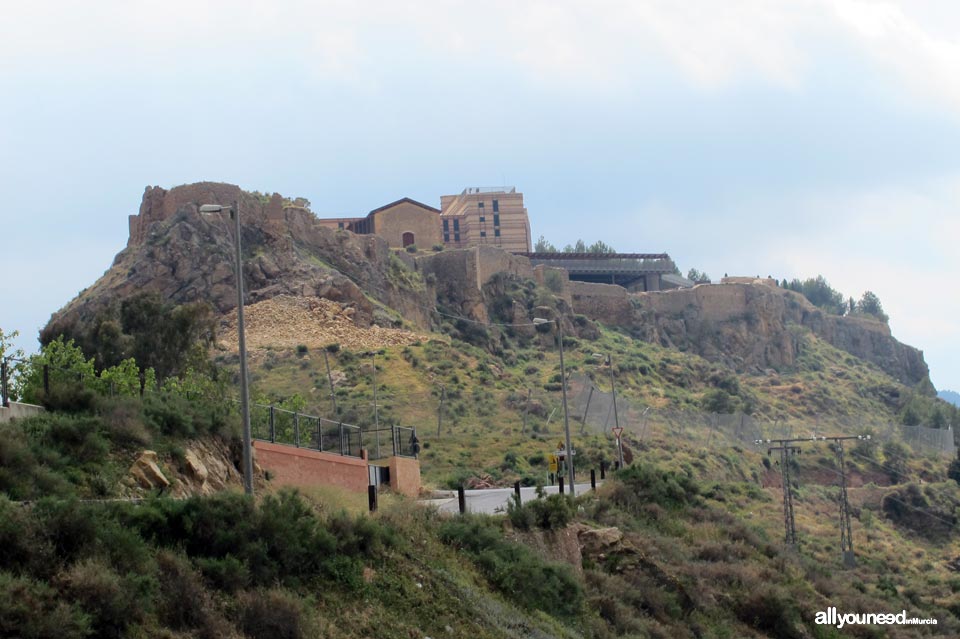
point(478, 216)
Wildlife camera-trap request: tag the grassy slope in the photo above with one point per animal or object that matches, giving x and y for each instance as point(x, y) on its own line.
point(705, 535)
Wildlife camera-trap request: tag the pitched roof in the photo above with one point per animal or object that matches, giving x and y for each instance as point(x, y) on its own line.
point(403, 200)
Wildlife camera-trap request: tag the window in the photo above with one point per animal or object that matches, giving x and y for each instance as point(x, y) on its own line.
point(483, 233)
point(339, 225)
point(446, 237)
point(456, 225)
point(496, 206)
point(496, 219)
point(456, 236)
point(408, 239)
point(446, 226)
point(496, 232)
point(483, 218)
point(479, 205)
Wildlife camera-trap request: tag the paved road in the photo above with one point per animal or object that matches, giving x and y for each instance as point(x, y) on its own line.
point(494, 500)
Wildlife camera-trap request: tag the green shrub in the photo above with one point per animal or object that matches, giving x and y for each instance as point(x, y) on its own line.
point(225, 573)
point(271, 614)
point(111, 601)
point(642, 483)
point(515, 570)
point(122, 422)
point(32, 609)
point(549, 513)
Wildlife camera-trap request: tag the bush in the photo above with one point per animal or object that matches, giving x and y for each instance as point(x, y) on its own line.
point(515, 570)
point(437, 248)
point(112, 602)
point(32, 609)
point(643, 484)
point(271, 614)
point(411, 248)
point(549, 513)
point(122, 422)
point(302, 350)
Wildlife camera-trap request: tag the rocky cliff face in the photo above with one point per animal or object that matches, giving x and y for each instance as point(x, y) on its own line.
point(187, 257)
point(746, 326)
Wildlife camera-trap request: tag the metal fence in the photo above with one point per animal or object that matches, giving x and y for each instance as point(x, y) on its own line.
point(282, 426)
point(595, 410)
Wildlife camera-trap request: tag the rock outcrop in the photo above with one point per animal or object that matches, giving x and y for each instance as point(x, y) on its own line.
point(186, 257)
point(746, 326)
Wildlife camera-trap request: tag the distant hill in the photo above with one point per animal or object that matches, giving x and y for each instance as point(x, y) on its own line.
point(950, 396)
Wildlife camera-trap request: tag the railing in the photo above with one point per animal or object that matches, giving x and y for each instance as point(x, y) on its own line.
point(283, 426)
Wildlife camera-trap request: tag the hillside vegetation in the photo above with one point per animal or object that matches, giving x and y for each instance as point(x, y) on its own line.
point(686, 541)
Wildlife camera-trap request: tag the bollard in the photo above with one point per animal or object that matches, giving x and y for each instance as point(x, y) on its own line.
point(372, 497)
point(561, 484)
point(4, 398)
point(462, 498)
point(593, 479)
point(603, 470)
point(516, 491)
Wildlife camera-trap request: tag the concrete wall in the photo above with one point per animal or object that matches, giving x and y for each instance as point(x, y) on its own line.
point(392, 223)
point(405, 476)
point(290, 466)
point(18, 410)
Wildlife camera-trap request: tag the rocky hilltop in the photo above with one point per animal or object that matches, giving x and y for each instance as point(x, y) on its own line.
point(185, 257)
point(749, 326)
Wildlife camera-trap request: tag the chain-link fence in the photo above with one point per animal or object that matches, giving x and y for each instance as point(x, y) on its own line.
point(595, 410)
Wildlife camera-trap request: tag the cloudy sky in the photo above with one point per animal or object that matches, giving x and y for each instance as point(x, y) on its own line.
point(790, 138)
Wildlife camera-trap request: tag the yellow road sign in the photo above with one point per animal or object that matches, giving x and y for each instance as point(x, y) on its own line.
point(554, 463)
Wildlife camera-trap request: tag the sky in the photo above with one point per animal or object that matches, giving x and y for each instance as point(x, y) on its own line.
point(752, 137)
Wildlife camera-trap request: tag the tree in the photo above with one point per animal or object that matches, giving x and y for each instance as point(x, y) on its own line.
point(870, 304)
point(600, 247)
point(15, 368)
point(819, 292)
point(579, 247)
point(165, 337)
point(543, 246)
point(698, 277)
point(65, 363)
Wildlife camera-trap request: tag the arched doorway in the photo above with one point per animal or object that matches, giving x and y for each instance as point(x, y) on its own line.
point(408, 239)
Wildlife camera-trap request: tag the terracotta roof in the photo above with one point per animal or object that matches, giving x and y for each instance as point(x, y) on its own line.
point(402, 201)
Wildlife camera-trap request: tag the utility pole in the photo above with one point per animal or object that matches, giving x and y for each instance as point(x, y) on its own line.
point(526, 411)
point(846, 532)
point(443, 397)
point(376, 413)
point(583, 422)
point(786, 449)
point(613, 387)
point(333, 396)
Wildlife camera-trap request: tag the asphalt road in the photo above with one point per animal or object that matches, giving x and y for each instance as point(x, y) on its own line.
point(493, 500)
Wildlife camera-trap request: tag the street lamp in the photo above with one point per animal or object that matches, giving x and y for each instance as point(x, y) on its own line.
point(566, 415)
point(616, 416)
point(234, 210)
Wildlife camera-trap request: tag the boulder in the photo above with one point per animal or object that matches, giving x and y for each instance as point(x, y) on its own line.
point(147, 473)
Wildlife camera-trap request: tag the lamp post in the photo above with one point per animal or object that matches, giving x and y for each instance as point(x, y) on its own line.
point(234, 210)
point(616, 416)
point(566, 415)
